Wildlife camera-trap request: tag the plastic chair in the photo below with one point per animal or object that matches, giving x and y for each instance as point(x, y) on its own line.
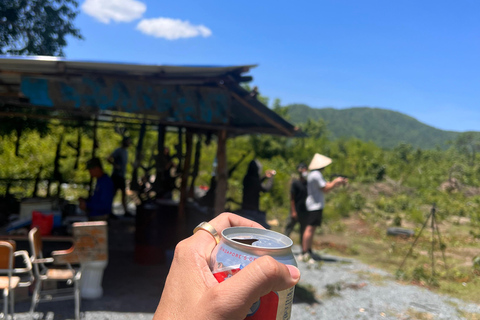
point(43, 273)
point(10, 280)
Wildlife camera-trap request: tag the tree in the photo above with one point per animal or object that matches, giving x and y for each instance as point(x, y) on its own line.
point(37, 27)
point(315, 128)
point(468, 144)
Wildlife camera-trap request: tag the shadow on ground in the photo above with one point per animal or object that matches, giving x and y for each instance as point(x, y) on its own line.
point(305, 293)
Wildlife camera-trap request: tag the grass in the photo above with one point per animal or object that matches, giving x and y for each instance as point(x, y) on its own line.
point(366, 240)
point(372, 277)
point(458, 279)
point(418, 315)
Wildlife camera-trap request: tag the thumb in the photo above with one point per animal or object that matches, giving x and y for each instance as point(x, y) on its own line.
point(256, 280)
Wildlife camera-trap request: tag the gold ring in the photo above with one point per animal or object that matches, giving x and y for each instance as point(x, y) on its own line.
point(208, 227)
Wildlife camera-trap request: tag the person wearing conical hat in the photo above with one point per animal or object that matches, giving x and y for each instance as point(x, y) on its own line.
point(317, 186)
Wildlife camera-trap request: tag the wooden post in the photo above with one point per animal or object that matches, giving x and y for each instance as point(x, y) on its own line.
point(184, 183)
point(222, 174)
point(78, 148)
point(160, 161)
point(179, 150)
point(138, 158)
point(196, 165)
point(161, 140)
point(95, 143)
point(94, 152)
point(37, 182)
point(19, 130)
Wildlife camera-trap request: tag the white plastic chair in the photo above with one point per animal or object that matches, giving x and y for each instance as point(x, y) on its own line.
point(10, 276)
point(43, 273)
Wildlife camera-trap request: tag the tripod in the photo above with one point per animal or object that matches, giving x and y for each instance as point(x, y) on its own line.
point(435, 230)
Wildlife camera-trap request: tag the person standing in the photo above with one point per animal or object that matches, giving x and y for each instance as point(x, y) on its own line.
point(99, 205)
point(253, 184)
point(119, 160)
point(298, 197)
point(317, 186)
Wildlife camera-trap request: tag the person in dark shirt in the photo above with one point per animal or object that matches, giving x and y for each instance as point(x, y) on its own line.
point(166, 179)
point(99, 205)
point(254, 183)
point(298, 196)
point(119, 160)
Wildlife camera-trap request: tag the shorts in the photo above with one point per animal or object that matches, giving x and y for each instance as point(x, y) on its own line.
point(118, 183)
point(314, 218)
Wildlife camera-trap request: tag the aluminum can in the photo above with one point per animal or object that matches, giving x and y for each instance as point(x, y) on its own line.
point(239, 247)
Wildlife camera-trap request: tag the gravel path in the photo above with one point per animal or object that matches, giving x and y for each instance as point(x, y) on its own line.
point(352, 290)
point(328, 290)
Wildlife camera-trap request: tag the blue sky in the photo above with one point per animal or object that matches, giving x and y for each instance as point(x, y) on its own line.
point(421, 58)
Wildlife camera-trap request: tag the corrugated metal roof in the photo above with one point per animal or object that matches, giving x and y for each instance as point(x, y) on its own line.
point(202, 97)
point(52, 65)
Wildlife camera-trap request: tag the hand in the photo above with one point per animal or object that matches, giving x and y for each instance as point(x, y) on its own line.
point(294, 215)
point(340, 181)
point(82, 204)
point(270, 173)
point(191, 291)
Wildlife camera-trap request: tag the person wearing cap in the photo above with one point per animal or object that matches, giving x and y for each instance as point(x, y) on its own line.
point(119, 160)
point(99, 205)
point(317, 186)
point(298, 196)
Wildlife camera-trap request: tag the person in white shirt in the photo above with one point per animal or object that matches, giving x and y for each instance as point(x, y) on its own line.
point(317, 186)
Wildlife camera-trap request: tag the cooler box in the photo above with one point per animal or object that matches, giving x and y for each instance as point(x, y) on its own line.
point(27, 206)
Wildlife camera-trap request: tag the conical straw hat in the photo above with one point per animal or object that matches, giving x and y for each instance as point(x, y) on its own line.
point(319, 161)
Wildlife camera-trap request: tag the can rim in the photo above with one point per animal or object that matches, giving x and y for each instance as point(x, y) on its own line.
point(281, 238)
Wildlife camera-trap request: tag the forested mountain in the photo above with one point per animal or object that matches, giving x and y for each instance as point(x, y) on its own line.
point(383, 127)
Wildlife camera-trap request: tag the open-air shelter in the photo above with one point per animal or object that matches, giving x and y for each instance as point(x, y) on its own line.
point(207, 100)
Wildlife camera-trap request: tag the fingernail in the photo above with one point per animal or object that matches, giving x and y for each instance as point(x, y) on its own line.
point(294, 272)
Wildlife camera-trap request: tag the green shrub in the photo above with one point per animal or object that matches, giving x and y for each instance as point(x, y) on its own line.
point(381, 203)
point(358, 201)
point(397, 221)
point(416, 215)
point(339, 205)
point(403, 202)
point(337, 226)
point(419, 274)
point(476, 264)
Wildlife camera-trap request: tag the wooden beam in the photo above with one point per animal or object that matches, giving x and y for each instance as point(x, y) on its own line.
point(260, 114)
point(156, 79)
point(150, 119)
point(222, 173)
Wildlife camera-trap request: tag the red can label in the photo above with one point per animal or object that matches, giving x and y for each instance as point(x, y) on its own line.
point(272, 306)
point(241, 246)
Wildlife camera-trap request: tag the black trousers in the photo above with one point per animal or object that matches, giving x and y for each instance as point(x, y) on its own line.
point(291, 223)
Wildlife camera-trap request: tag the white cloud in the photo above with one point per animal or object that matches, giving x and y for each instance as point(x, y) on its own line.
point(172, 29)
point(116, 10)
